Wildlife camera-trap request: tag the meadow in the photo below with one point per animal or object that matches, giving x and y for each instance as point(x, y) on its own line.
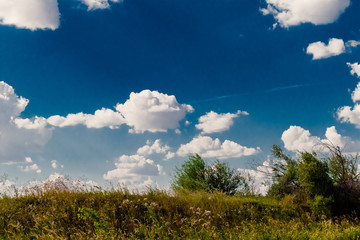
point(61, 213)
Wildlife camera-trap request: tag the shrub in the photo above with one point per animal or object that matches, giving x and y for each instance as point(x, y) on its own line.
point(313, 175)
point(194, 175)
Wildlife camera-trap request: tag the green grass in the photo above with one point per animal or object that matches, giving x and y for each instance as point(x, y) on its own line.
point(64, 214)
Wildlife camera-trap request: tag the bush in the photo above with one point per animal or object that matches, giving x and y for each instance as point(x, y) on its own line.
point(194, 175)
point(313, 175)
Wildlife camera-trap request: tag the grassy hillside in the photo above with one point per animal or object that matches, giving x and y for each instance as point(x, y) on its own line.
point(64, 214)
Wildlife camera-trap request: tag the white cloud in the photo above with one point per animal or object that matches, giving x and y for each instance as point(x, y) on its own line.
point(207, 147)
point(294, 12)
point(54, 164)
point(298, 139)
point(156, 147)
point(153, 111)
point(350, 114)
point(35, 123)
point(355, 95)
point(347, 114)
point(319, 50)
point(33, 167)
point(131, 169)
point(214, 122)
point(100, 119)
point(145, 111)
point(98, 4)
point(352, 43)
point(169, 155)
point(355, 68)
point(335, 47)
point(16, 142)
point(28, 160)
point(30, 14)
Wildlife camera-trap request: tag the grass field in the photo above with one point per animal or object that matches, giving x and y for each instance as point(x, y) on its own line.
point(70, 214)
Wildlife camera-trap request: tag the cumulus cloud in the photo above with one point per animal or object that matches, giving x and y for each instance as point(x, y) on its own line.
point(156, 147)
point(153, 111)
point(207, 147)
point(349, 114)
point(30, 14)
point(355, 95)
point(298, 139)
point(34, 167)
point(145, 111)
point(294, 12)
point(213, 122)
point(55, 164)
point(355, 68)
point(100, 119)
point(335, 47)
point(16, 142)
point(319, 50)
point(98, 4)
point(131, 169)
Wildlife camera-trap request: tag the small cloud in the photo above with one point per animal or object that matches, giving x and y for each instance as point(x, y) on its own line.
point(169, 155)
point(319, 50)
point(212, 148)
point(33, 167)
point(156, 147)
point(98, 4)
point(335, 47)
point(213, 122)
point(355, 68)
point(28, 160)
point(130, 169)
point(54, 164)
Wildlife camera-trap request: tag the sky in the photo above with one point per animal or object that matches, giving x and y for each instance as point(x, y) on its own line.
point(125, 91)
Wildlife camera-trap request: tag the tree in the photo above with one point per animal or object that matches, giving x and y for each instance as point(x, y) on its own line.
point(220, 177)
point(284, 170)
point(313, 175)
point(191, 175)
point(343, 170)
point(194, 174)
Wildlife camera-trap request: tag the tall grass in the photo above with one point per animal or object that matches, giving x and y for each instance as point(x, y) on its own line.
point(58, 212)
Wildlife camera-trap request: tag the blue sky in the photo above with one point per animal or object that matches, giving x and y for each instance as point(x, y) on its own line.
point(124, 91)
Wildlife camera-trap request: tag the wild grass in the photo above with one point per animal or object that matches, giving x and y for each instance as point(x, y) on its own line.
point(58, 212)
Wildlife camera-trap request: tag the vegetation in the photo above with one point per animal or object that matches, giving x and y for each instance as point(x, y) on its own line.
point(195, 175)
point(310, 198)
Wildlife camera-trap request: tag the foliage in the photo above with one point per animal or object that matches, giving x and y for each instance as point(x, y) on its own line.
point(284, 170)
point(220, 177)
point(191, 175)
point(313, 175)
point(195, 175)
point(343, 170)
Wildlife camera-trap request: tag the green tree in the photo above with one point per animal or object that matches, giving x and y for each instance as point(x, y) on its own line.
point(220, 177)
point(313, 175)
point(191, 175)
point(194, 174)
point(284, 170)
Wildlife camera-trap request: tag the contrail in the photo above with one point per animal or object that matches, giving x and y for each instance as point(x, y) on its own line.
point(247, 93)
